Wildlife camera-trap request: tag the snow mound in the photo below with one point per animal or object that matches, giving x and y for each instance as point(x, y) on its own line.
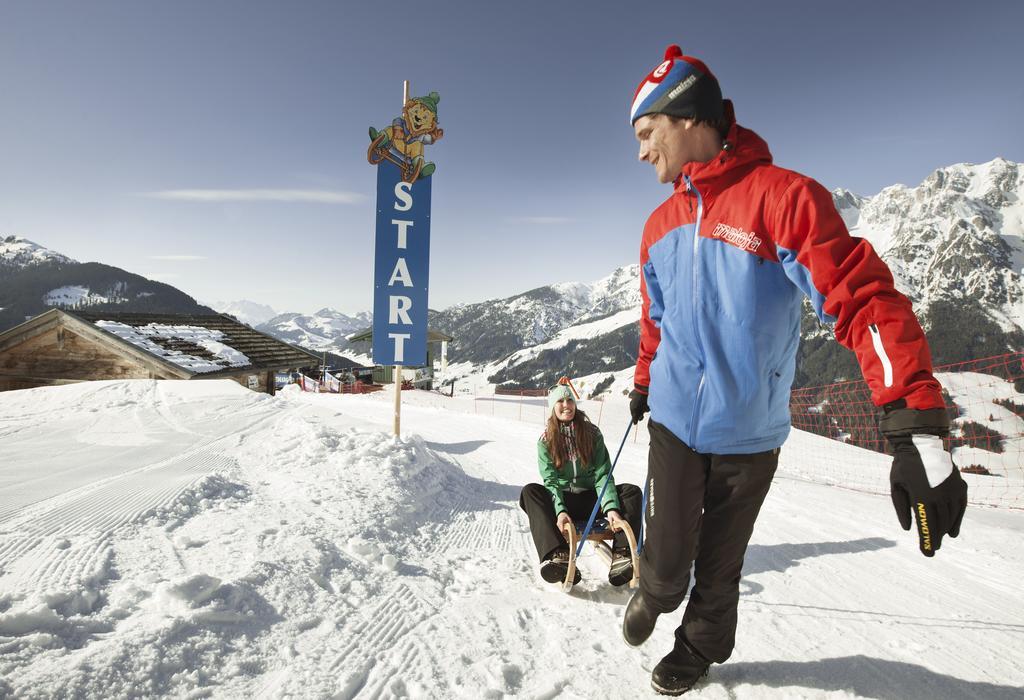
point(203, 495)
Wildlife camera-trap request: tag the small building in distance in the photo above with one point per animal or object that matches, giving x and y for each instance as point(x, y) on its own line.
point(437, 348)
point(63, 347)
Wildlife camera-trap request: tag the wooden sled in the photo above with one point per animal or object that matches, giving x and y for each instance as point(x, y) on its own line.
point(377, 153)
point(600, 534)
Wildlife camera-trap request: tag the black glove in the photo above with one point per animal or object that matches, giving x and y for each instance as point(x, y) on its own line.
point(923, 478)
point(638, 405)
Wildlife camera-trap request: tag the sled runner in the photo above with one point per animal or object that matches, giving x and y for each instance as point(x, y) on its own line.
point(380, 150)
point(600, 534)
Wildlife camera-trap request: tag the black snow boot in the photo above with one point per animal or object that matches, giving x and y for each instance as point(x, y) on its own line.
point(638, 621)
point(680, 670)
point(554, 569)
point(621, 570)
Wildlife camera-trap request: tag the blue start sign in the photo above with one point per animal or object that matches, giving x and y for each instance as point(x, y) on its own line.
point(401, 267)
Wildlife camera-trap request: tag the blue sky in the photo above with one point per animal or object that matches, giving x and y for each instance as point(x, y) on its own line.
point(109, 106)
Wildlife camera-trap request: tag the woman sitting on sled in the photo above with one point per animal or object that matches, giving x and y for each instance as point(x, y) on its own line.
point(574, 466)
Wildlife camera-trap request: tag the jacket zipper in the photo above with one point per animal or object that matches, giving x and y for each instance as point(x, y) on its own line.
point(694, 297)
point(876, 340)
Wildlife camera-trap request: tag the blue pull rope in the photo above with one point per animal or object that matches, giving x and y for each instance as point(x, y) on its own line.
point(597, 505)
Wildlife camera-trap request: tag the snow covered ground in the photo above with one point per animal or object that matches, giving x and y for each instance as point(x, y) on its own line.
point(195, 539)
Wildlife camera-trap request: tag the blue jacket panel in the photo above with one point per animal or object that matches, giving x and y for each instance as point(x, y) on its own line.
point(729, 339)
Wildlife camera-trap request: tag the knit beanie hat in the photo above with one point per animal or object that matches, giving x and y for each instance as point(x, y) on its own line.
point(681, 86)
point(430, 101)
point(557, 393)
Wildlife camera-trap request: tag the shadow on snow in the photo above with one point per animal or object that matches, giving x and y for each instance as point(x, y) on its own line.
point(457, 448)
point(860, 675)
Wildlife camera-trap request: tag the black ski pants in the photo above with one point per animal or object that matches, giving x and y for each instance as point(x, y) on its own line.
point(540, 509)
point(701, 510)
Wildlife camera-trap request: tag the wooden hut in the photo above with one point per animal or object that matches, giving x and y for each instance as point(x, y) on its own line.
point(62, 347)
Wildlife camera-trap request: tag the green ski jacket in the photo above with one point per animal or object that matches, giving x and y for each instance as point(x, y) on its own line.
point(576, 477)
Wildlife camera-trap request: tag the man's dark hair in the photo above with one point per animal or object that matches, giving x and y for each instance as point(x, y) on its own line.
point(720, 124)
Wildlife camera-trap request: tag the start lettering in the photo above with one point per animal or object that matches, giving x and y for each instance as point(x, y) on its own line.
point(399, 306)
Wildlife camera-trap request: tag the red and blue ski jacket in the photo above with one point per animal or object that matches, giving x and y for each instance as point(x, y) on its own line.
point(726, 262)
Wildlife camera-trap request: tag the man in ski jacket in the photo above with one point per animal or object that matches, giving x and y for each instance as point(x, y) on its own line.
point(726, 261)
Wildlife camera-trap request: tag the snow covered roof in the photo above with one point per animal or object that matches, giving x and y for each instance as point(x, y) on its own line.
point(201, 344)
point(193, 348)
point(187, 345)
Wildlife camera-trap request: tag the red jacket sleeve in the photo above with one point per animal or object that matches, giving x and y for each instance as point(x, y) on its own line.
point(650, 332)
point(849, 284)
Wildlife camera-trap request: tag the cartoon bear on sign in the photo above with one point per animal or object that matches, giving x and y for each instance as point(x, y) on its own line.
point(402, 142)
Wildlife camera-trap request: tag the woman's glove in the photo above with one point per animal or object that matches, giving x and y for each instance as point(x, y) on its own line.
point(923, 480)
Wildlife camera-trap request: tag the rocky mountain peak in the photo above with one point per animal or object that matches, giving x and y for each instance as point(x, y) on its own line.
point(21, 252)
point(957, 235)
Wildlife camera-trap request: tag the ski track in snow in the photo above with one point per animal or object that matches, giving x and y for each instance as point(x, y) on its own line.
point(66, 538)
point(194, 539)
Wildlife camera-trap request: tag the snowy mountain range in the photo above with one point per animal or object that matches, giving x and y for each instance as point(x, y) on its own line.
point(955, 245)
point(493, 330)
point(958, 235)
point(34, 278)
point(249, 312)
point(324, 330)
point(484, 332)
point(19, 253)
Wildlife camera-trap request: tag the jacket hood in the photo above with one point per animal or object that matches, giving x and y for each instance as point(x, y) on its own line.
point(742, 147)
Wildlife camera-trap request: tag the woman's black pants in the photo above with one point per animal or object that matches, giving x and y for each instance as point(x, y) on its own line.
point(540, 509)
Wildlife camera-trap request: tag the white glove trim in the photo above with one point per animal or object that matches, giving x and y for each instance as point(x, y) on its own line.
point(938, 464)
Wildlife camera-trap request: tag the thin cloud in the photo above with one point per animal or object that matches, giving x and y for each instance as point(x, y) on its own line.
point(543, 220)
point(317, 196)
point(178, 258)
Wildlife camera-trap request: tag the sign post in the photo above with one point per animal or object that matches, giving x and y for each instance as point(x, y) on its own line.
point(402, 243)
point(398, 368)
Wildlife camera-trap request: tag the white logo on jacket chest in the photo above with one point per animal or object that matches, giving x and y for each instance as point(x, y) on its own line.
point(747, 240)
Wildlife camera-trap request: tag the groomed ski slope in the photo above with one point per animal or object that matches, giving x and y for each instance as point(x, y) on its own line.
point(195, 539)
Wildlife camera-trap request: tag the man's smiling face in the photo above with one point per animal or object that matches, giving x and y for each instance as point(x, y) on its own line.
point(665, 143)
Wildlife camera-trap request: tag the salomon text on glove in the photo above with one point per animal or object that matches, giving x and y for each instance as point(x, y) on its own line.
point(925, 484)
